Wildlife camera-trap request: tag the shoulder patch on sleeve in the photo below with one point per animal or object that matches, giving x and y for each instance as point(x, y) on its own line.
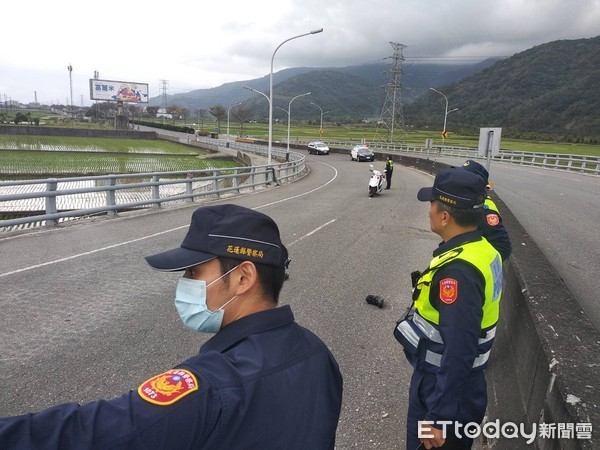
point(492, 219)
point(168, 387)
point(448, 290)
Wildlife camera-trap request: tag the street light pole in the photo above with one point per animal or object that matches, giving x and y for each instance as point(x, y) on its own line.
point(320, 109)
point(271, 88)
point(446, 112)
point(289, 111)
point(235, 104)
point(269, 100)
point(70, 68)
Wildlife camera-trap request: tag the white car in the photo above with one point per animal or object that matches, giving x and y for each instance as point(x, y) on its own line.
point(318, 148)
point(362, 153)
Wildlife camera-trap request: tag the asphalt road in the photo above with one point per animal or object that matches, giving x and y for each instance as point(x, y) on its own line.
point(83, 316)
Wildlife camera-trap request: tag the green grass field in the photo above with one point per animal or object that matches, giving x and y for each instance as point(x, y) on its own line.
point(354, 133)
point(57, 155)
point(107, 145)
point(298, 132)
point(44, 163)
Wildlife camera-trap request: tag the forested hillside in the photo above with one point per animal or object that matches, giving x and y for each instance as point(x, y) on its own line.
point(553, 88)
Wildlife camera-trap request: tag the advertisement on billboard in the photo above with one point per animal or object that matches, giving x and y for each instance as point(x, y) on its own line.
point(118, 91)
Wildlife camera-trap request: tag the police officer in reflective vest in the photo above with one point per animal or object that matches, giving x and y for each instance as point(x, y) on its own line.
point(448, 333)
point(491, 223)
point(389, 170)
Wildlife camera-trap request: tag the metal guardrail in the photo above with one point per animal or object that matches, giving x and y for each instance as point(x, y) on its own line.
point(573, 163)
point(66, 198)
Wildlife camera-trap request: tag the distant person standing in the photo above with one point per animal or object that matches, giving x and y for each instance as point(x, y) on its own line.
point(389, 170)
point(491, 222)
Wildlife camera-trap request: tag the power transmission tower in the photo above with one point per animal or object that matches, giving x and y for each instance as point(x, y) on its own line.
point(392, 115)
point(163, 89)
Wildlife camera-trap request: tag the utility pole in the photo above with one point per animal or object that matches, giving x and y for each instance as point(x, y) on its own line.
point(96, 76)
point(392, 115)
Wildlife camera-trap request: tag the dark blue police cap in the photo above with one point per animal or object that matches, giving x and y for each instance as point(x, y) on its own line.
point(230, 231)
point(475, 167)
point(455, 187)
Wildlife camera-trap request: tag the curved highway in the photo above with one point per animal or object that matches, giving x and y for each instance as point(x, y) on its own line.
point(84, 317)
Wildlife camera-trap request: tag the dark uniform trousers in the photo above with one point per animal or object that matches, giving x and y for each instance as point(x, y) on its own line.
point(472, 407)
point(389, 170)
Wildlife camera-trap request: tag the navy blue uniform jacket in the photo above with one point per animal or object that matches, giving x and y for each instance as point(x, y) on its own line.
point(460, 327)
point(264, 382)
point(494, 231)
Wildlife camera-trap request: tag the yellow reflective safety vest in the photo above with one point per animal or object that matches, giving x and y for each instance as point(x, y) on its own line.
point(489, 204)
point(419, 332)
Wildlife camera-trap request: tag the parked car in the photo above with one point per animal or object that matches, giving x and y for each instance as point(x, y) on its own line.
point(318, 148)
point(362, 153)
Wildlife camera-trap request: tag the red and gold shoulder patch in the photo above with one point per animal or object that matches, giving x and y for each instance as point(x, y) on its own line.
point(492, 219)
point(448, 290)
point(169, 387)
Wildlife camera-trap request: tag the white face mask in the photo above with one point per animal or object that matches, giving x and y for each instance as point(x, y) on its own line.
point(190, 301)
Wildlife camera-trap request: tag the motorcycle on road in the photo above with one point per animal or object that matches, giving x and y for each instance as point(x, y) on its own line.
point(376, 181)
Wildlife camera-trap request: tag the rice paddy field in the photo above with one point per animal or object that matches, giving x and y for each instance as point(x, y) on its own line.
point(72, 156)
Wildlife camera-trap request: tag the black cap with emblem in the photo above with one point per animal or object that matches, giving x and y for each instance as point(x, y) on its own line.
point(229, 231)
point(456, 187)
point(475, 167)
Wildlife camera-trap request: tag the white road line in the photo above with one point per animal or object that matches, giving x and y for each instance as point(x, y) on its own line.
point(305, 193)
point(311, 233)
point(56, 261)
point(90, 252)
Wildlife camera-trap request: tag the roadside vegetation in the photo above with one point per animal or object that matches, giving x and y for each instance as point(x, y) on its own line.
point(301, 132)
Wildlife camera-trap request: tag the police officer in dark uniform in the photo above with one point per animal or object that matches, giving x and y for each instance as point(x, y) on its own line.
point(261, 382)
point(389, 170)
point(491, 223)
point(449, 330)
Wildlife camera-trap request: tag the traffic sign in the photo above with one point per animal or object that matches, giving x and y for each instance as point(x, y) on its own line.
point(444, 134)
point(321, 131)
point(489, 142)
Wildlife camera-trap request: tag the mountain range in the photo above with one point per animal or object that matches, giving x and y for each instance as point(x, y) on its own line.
point(553, 88)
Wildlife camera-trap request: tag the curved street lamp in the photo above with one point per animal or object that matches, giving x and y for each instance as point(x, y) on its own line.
point(257, 91)
point(271, 88)
point(446, 112)
point(289, 111)
point(228, 109)
point(269, 100)
point(322, 113)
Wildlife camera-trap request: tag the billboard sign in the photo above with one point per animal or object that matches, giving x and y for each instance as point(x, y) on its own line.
point(118, 91)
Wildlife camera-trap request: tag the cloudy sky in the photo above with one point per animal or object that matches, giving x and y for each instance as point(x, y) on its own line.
point(199, 44)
